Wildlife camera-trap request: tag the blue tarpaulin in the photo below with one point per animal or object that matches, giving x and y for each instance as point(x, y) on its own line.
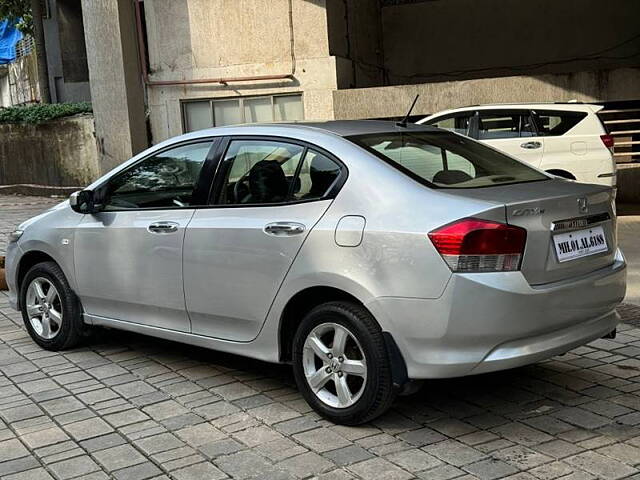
point(9, 36)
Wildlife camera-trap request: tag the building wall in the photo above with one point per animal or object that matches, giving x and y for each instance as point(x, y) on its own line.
point(394, 101)
point(463, 39)
point(336, 48)
point(355, 39)
point(396, 42)
point(116, 87)
point(57, 153)
point(200, 39)
point(66, 53)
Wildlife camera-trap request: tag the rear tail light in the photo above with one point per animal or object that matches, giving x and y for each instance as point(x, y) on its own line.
point(607, 140)
point(474, 245)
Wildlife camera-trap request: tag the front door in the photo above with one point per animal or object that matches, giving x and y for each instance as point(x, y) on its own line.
point(128, 258)
point(512, 132)
point(271, 193)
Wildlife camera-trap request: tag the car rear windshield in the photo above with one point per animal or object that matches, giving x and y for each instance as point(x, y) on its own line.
point(445, 160)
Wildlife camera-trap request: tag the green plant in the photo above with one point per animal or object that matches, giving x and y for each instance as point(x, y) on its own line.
point(18, 12)
point(36, 114)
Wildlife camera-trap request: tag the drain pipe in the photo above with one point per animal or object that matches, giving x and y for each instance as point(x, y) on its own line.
point(142, 53)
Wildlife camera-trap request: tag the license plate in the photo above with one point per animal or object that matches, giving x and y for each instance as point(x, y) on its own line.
point(581, 243)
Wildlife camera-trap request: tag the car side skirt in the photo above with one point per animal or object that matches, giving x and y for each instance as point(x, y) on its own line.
point(246, 349)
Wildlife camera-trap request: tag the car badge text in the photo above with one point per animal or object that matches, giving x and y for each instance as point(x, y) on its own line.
point(520, 212)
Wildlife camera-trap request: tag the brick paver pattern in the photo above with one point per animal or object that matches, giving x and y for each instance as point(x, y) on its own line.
point(126, 406)
point(16, 209)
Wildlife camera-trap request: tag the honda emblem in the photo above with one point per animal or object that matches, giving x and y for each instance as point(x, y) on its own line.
point(583, 205)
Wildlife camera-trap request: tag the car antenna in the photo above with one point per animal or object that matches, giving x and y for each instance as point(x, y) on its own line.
point(405, 120)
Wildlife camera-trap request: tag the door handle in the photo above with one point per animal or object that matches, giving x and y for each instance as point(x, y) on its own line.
point(531, 145)
point(281, 229)
point(163, 227)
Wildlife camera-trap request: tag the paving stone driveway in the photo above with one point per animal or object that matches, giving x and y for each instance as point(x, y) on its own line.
point(132, 407)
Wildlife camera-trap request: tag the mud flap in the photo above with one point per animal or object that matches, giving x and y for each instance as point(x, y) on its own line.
point(399, 374)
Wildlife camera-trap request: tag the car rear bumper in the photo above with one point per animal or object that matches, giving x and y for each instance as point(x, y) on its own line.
point(493, 321)
point(533, 349)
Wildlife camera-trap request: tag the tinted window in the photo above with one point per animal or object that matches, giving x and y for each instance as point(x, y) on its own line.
point(444, 160)
point(317, 175)
point(260, 171)
point(458, 123)
point(505, 124)
point(167, 179)
point(557, 123)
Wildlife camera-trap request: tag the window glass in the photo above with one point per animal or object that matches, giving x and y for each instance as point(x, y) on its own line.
point(226, 112)
point(258, 110)
point(454, 123)
point(557, 123)
point(197, 115)
point(527, 128)
point(288, 107)
point(261, 171)
point(232, 111)
point(318, 173)
point(165, 180)
point(426, 161)
point(444, 160)
point(494, 125)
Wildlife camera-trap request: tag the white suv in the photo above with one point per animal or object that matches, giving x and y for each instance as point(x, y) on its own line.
point(567, 140)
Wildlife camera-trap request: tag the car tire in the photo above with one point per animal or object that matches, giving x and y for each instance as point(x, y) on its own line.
point(53, 318)
point(354, 385)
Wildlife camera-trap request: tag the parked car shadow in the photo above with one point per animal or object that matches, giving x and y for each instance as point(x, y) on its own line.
point(457, 406)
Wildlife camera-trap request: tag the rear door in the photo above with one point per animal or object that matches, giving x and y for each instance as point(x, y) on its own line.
point(511, 131)
point(268, 194)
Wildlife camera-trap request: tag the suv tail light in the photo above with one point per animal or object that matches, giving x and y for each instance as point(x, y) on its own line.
point(475, 245)
point(607, 140)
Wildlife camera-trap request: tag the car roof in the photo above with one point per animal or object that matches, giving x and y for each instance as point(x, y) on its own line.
point(346, 128)
point(342, 128)
point(568, 106)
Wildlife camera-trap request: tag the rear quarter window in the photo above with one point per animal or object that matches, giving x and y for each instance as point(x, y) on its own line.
point(554, 124)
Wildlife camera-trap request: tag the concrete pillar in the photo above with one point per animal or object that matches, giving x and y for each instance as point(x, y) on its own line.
point(117, 91)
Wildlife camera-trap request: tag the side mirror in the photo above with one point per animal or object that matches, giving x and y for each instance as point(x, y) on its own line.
point(82, 201)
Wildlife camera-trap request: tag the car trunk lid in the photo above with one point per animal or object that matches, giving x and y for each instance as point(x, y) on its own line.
point(571, 212)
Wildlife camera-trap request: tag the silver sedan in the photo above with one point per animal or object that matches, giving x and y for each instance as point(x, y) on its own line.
point(367, 254)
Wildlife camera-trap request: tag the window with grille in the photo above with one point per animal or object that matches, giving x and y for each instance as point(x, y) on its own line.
point(199, 114)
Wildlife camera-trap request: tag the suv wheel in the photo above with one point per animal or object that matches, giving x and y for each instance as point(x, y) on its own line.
point(341, 365)
point(50, 310)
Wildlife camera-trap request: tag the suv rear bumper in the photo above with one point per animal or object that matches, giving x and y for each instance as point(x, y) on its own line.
point(493, 321)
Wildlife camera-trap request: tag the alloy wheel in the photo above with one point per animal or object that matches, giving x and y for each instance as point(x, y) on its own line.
point(44, 308)
point(334, 365)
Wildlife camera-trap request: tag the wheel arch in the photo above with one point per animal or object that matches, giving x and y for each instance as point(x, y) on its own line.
point(28, 260)
point(561, 173)
point(307, 299)
point(299, 305)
